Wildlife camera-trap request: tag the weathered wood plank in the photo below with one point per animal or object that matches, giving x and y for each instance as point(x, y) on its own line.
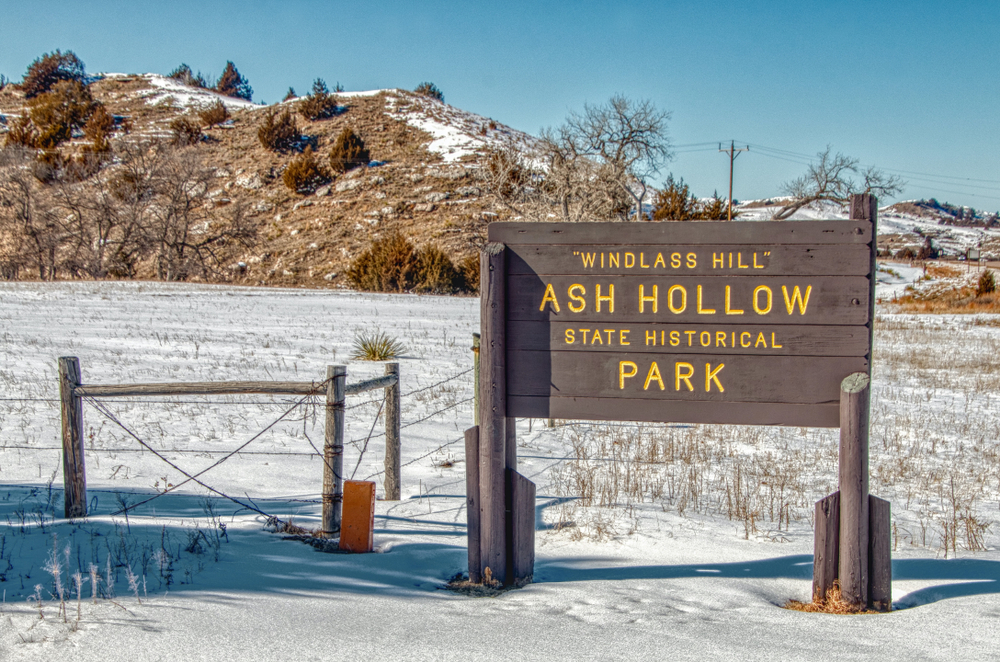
point(678, 376)
point(472, 506)
point(375, 383)
point(752, 339)
point(392, 464)
point(493, 405)
point(675, 411)
point(825, 545)
point(831, 299)
point(854, 509)
point(691, 260)
point(333, 449)
point(200, 388)
point(879, 554)
point(864, 208)
point(523, 528)
point(74, 467)
point(687, 232)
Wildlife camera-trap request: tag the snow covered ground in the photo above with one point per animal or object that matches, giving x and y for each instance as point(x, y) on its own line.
point(670, 577)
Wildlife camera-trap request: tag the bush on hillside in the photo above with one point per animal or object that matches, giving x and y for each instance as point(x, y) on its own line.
point(320, 104)
point(183, 74)
point(431, 90)
point(390, 264)
point(46, 71)
point(305, 173)
point(215, 114)
point(469, 269)
point(348, 152)
point(290, 94)
point(987, 283)
point(674, 202)
point(185, 131)
point(22, 132)
point(98, 130)
point(232, 84)
point(436, 273)
point(279, 132)
point(61, 110)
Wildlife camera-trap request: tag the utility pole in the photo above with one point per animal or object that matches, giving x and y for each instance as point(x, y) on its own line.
point(733, 153)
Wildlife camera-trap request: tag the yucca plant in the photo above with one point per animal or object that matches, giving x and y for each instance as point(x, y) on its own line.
point(376, 346)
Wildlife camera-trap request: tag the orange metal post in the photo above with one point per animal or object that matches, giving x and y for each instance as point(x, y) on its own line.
point(358, 519)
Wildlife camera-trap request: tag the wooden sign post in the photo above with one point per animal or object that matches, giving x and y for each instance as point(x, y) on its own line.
point(754, 323)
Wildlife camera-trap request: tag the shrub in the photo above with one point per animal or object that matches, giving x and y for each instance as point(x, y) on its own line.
point(232, 84)
point(469, 268)
point(55, 114)
point(98, 130)
point(184, 75)
point(278, 132)
point(929, 251)
point(46, 71)
point(305, 174)
point(184, 131)
point(290, 94)
point(389, 265)
point(376, 346)
point(906, 254)
point(348, 151)
point(431, 90)
point(320, 104)
point(436, 272)
point(22, 132)
point(987, 283)
point(217, 113)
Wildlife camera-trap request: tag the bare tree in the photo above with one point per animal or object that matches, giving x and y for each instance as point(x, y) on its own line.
point(831, 179)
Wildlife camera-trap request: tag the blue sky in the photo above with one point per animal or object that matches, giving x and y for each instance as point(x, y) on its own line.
point(912, 87)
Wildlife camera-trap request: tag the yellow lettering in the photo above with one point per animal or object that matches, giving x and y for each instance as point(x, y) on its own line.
point(613, 259)
point(773, 343)
point(745, 339)
point(549, 297)
point(675, 338)
point(683, 376)
point(796, 298)
point(689, 334)
point(596, 338)
point(710, 376)
point(692, 260)
point(570, 336)
point(675, 260)
point(705, 338)
point(760, 341)
point(582, 303)
point(623, 375)
point(588, 259)
point(729, 310)
point(623, 337)
point(730, 260)
point(650, 335)
point(755, 265)
point(654, 373)
point(659, 261)
point(609, 332)
point(718, 260)
point(739, 262)
point(677, 310)
point(610, 298)
point(766, 308)
point(720, 338)
point(629, 260)
point(584, 332)
point(701, 310)
point(602, 260)
point(642, 261)
point(653, 299)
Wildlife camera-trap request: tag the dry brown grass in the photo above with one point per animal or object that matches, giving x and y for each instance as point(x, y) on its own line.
point(832, 604)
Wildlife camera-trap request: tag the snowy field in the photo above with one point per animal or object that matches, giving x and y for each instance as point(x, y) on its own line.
point(667, 542)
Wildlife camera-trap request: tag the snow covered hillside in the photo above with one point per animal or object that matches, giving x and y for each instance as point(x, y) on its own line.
point(693, 565)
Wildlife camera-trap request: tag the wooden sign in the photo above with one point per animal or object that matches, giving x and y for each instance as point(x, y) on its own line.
point(699, 322)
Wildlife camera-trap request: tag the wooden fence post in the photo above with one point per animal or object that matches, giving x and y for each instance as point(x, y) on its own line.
point(825, 543)
point(475, 378)
point(472, 503)
point(853, 570)
point(333, 449)
point(492, 414)
point(74, 471)
point(392, 443)
point(879, 554)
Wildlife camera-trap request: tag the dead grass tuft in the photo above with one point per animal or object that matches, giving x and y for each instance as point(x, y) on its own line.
point(833, 604)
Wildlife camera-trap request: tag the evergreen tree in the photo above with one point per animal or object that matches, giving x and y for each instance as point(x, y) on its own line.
point(232, 84)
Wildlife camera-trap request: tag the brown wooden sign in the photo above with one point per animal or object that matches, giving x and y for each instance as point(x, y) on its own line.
point(699, 322)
